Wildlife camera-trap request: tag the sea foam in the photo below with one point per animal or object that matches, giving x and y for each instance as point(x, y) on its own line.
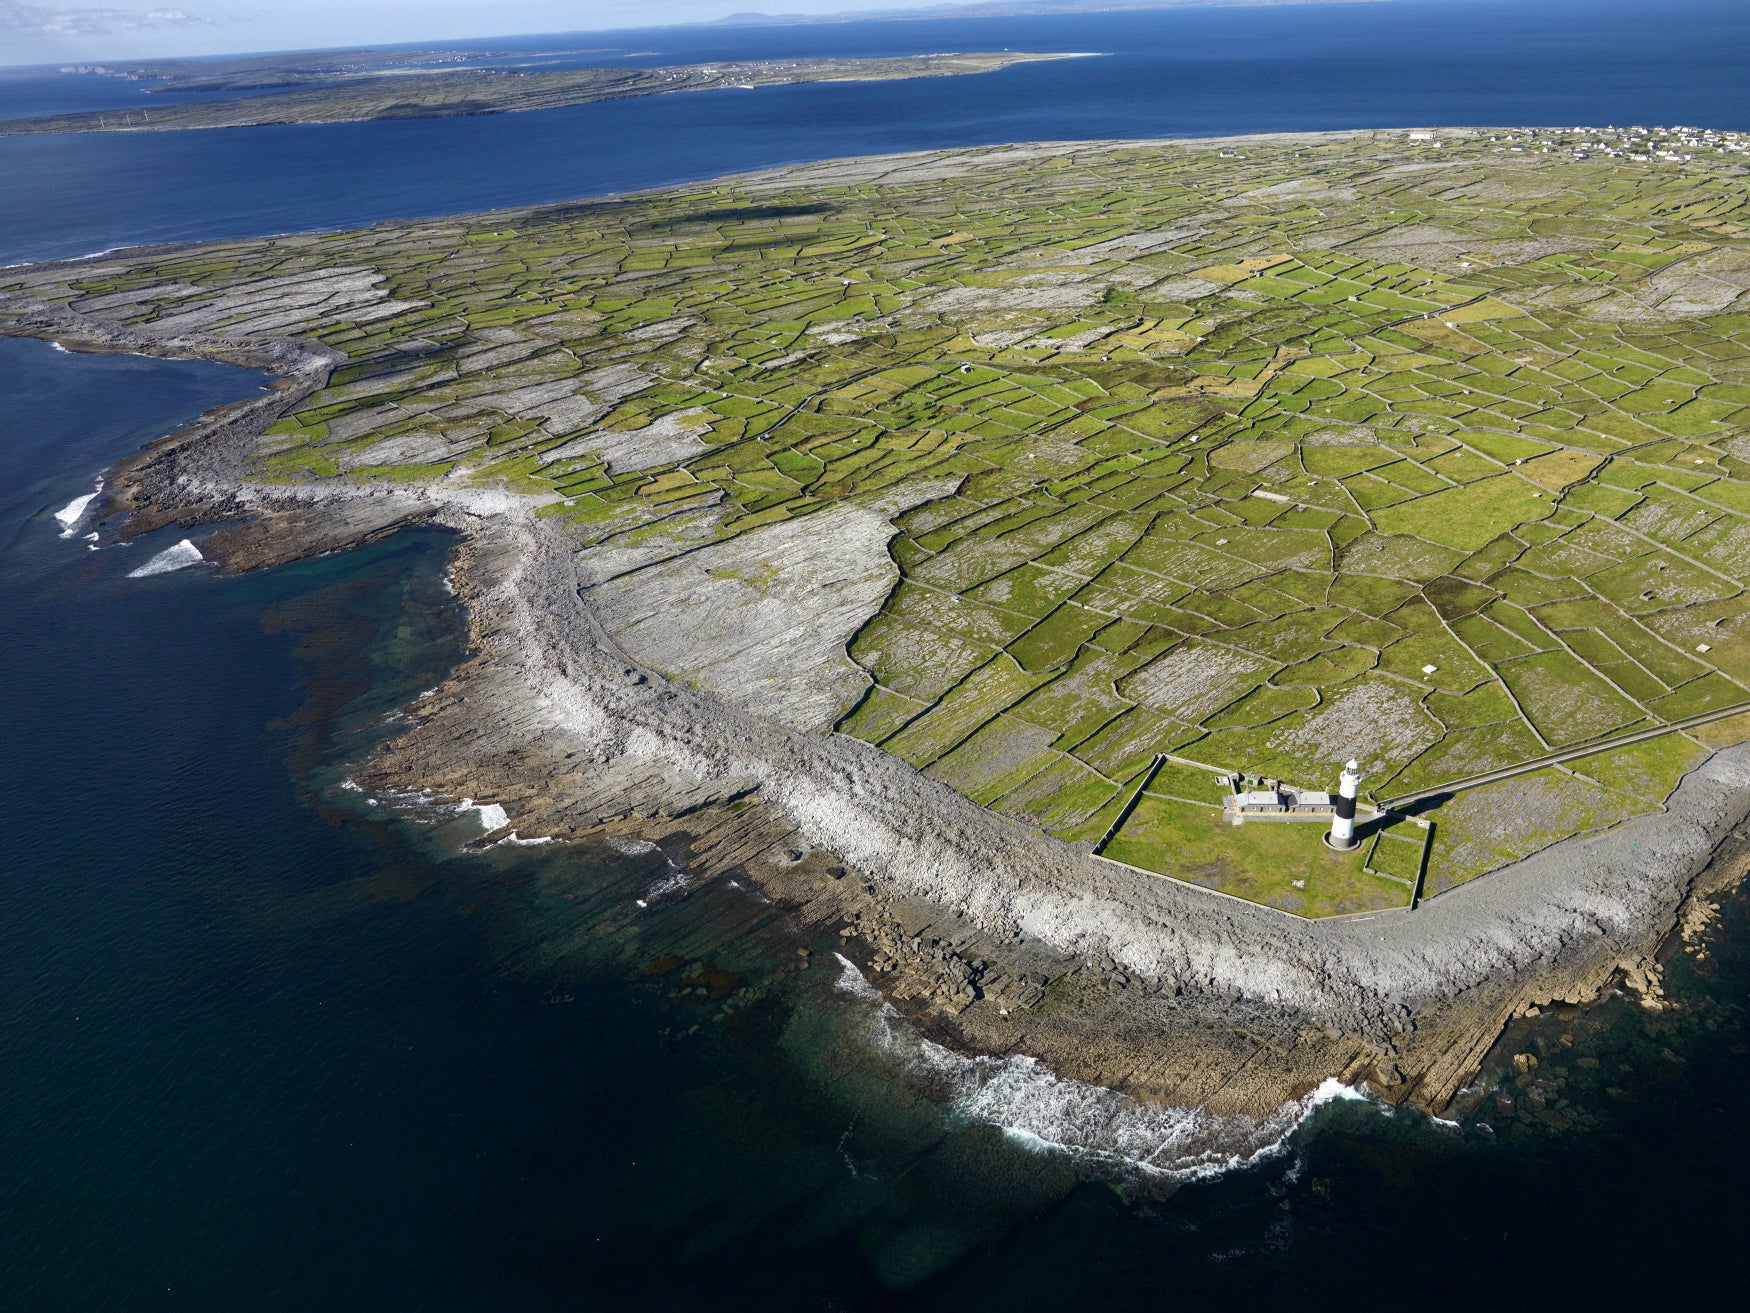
point(74, 511)
point(179, 557)
point(1040, 1111)
point(492, 815)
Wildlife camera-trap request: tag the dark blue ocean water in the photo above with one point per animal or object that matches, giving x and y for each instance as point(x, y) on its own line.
point(261, 1048)
point(1181, 72)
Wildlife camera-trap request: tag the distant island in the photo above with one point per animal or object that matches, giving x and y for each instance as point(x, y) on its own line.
point(1214, 616)
point(354, 88)
point(1003, 9)
point(302, 68)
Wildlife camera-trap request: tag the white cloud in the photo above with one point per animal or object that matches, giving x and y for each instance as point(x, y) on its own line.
point(51, 33)
point(54, 21)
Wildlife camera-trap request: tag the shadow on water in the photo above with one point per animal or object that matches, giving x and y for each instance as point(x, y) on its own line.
point(724, 1091)
point(758, 1132)
point(269, 1045)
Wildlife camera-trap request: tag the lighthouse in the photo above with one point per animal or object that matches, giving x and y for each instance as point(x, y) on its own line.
point(1342, 835)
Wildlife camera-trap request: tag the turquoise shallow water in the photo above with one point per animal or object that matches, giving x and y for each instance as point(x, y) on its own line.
point(262, 1048)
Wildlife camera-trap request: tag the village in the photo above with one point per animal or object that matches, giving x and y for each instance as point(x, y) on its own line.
point(1677, 145)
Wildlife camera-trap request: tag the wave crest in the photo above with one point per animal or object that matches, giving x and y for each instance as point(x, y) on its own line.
point(179, 557)
point(74, 511)
point(1036, 1108)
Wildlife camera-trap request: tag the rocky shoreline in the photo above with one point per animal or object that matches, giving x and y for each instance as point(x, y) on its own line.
point(997, 940)
point(992, 937)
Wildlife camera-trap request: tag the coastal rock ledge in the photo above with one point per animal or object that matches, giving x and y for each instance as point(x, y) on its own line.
point(994, 937)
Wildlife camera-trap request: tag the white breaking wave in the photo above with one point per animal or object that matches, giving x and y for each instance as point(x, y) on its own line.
point(1039, 1110)
point(630, 847)
point(179, 557)
point(74, 511)
point(492, 815)
point(676, 881)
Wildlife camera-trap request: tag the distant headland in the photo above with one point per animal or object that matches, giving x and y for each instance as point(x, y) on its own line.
point(353, 86)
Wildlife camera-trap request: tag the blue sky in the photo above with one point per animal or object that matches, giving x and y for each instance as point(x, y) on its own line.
point(33, 33)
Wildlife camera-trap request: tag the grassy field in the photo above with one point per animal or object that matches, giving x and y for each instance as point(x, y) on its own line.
point(1279, 863)
point(1266, 455)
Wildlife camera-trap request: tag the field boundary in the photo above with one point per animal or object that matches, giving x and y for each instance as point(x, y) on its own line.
point(1130, 806)
point(1222, 893)
point(1565, 755)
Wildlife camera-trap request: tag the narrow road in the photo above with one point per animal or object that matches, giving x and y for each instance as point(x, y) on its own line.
point(1567, 754)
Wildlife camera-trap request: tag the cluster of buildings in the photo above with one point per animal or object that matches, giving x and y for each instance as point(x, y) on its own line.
point(1255, 797)
point(1674, 145)
point(1260, 798)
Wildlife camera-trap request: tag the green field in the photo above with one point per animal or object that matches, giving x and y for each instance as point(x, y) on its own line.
point(1265, 455)
point(1281, 864)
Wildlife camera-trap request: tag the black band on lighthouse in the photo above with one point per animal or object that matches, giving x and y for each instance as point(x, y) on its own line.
point(1345, 807)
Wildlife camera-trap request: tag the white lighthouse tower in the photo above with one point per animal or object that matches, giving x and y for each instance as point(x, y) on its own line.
point(1342, 835)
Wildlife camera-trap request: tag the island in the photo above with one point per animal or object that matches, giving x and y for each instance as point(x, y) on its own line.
point(303, 68)
point(426, 90)
point(1216, 617)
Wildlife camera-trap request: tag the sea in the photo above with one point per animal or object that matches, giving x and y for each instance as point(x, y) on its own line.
point(269, 1043)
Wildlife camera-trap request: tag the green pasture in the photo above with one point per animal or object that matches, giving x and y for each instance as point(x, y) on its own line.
point(1441, 468)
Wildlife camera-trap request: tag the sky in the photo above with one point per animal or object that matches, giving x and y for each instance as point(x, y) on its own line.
point(32, 33)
